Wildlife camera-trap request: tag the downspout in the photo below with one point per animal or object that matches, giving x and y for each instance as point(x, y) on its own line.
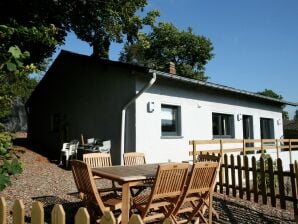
point(151, 82)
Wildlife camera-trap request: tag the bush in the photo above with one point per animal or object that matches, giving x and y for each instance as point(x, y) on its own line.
point(9, 164)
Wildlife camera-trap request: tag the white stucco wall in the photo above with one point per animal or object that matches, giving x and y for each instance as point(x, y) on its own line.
point(196, 119)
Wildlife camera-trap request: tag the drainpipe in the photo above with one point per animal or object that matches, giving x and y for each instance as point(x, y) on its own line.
point(151, 82)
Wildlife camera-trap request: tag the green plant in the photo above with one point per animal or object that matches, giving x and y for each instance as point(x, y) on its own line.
point(9, 164)
point(266, 158)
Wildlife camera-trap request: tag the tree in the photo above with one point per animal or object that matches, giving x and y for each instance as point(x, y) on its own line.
point(101, 22)
point(272, 94)
point(165, 44)
point(296, 115)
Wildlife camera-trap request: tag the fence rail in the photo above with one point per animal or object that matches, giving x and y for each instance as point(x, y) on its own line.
point(57, 215)
point(243, 146)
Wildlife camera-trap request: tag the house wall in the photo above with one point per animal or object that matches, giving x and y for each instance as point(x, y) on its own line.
point(88, 97)
point(197, 105)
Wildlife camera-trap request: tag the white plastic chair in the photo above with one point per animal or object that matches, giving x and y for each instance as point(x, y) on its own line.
point(106, 146)
point(69, 150)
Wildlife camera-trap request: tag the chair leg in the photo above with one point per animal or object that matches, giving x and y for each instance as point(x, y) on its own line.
point(60, 162)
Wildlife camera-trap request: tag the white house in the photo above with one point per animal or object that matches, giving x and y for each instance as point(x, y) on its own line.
point(159, 112)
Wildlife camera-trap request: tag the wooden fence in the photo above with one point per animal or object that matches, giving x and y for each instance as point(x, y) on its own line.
point(243, 146)
point(263, 182)
point(57, 215)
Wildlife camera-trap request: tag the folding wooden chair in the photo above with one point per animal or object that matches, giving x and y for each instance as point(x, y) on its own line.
point(167, 188)
point(97, 159)
point(133, 159)
point(94, 202)
point(197, 194)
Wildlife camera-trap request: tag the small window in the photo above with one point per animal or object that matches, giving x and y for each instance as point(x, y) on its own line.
point(267, 128)
point(170, 120)
point(223, 125)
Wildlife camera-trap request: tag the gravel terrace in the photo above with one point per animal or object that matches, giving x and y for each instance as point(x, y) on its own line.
point(44, 181)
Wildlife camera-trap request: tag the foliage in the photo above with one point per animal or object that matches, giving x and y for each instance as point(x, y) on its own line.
point(266, 158)
point(101, 22)
point(14, 80)
point(165, 44)
point(296, 115)
point(272, 94)
point(9, 165)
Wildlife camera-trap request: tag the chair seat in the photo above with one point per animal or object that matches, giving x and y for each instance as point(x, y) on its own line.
point(113, 201)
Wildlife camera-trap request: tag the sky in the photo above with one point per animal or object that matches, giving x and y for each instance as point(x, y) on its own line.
point(255, 41)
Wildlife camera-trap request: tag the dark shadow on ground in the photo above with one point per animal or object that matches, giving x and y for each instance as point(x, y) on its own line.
point(70, 208)
point(230, 212)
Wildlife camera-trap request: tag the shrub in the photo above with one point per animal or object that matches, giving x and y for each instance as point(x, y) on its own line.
point(9, 164)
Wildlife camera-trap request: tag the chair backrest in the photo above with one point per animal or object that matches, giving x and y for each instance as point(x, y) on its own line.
point(73, 147)
point(65, 147)
point(170, 181)
point(97, 159)
point(86, 186)
point(90, 140)
point(106, 146)
point(134, 158)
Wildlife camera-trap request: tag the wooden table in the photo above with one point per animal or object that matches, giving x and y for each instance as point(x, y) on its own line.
point(127, 176)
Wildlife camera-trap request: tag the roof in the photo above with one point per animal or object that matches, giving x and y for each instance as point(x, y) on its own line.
point(181, 79)
point(291, 125)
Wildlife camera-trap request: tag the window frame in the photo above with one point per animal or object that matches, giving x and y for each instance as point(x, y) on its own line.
point(270, 125)
point(231, 125)
point(177, 112)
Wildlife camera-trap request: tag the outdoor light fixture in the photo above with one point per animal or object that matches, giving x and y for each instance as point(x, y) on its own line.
point(239, 117)
point(278, 121)
point(150, 107)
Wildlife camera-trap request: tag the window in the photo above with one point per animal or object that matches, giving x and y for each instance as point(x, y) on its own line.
point(170, 120)
point(267, 128)
point(223, 125)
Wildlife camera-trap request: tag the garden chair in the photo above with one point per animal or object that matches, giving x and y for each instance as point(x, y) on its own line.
point(106, 147)
point(165, 193)
point(204, 157)
point(95, 160)
point(70, 150)
point(133, 159)
point(94, 202)
point(198, 194)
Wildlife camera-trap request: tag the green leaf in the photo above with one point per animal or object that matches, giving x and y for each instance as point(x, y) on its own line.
point(15, 167)
point(11, 66)
point(15, 51)
point(4, 181)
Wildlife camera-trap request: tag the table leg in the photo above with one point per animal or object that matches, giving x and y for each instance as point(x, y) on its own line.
point(125, 203)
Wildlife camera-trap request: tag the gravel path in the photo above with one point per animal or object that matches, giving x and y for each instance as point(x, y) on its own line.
point(44, 181)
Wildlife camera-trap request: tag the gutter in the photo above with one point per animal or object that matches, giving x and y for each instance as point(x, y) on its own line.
point(146, 87)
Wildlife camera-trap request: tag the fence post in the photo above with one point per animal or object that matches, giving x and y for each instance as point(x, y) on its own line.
point(37, 213)
point(294, 192)
point(244, 147)
point(227, 184)
point(194, 151)
point(263, 180)
point(240, 176)
point(271, 182)
point(233, 174)
point(281, 184)
point(3, 209)
point(108, 218)
point(246, 172)
point(254, 179)
point(82, 216)
point(135, 219)
point(290, 150)
point(58, 215)
point(18, 211)
point(276, 144)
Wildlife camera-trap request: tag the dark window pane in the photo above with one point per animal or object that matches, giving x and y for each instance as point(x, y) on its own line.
point(169, 120)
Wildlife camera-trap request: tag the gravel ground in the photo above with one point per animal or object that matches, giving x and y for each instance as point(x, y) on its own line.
point(44, 181)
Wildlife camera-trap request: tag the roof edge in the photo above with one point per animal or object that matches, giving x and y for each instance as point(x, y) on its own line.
point(218, 86)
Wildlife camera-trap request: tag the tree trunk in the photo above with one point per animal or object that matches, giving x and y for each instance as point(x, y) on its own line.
point(101, 48)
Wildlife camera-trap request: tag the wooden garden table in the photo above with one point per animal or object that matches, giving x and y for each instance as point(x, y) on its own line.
point(127, 176)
